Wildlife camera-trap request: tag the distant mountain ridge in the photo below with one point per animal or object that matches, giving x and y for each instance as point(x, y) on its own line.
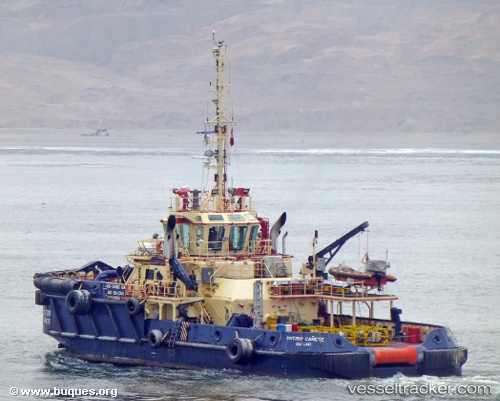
point(310, 66)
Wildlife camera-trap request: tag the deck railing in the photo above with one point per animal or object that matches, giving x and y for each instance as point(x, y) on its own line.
point(205, 202)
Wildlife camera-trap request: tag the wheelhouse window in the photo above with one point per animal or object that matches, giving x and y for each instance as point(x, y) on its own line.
point(236, 217)
point(237, 237)
point(215, 237)
point(199, 235)
point(183, 232)
point(254, 231)
point(250, 217)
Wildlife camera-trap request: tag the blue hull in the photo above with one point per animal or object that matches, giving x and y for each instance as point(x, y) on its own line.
point(108, 333)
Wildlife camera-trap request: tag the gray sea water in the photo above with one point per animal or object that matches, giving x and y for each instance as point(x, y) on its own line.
point(435, 212)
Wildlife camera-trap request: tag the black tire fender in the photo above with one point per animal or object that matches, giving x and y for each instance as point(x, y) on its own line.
point(78, 302)
point(239, 350)
point(133, 306)
point(154, 338)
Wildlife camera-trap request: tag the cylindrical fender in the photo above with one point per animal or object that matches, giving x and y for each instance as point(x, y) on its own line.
point(78, 302)
point(154, 338)
point(408, 355)
point(133, 306)
point(239, 350)
point(55, 284)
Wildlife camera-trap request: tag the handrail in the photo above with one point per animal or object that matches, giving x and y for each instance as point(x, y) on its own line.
point(143, 289)
point(207, 203)
point(205, 316)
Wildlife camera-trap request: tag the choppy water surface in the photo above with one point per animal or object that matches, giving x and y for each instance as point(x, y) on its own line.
point(436, 212)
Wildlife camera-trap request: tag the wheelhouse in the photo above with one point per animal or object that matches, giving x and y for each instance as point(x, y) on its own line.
point(224, 234)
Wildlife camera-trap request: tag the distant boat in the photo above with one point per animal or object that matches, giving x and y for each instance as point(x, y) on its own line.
point(101, 131)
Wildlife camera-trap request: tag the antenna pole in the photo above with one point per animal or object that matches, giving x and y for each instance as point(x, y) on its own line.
point(222, 123)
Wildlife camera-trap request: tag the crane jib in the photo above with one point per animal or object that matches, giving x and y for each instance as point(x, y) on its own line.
point(331, 250)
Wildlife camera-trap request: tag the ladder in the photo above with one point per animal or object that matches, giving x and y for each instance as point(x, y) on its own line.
point(205, 316)
point(173, 337)
point(258, 310)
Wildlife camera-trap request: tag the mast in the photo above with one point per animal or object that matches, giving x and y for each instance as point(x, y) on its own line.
point(222, 126)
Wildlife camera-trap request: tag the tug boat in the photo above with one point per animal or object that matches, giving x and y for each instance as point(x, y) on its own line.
point(216, 291)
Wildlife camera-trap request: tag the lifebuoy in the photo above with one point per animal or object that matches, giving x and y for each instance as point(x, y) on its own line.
point(133, 306)
point(159, 246)
point(78, 302)
point(154, 338)
point(239, 350)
